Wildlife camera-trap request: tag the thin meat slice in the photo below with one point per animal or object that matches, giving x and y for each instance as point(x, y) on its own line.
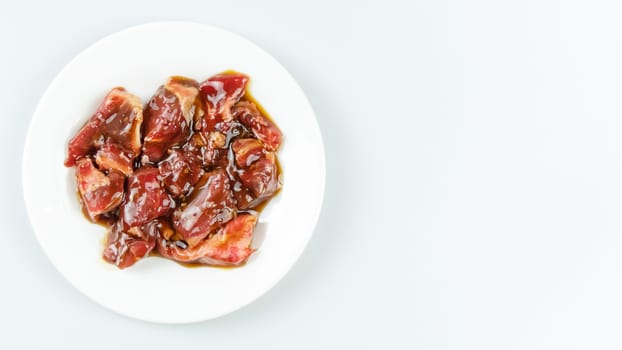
point(111, 156)
point(99, 193)
point(219, 93)
point(168, 117)
point(211, 205)
point(146, 198)
point(125, 248)
point(263, 128)
point(118, 119)
point(230, 246)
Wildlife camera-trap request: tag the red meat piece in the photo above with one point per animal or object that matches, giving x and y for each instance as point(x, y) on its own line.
point(114, 157)
point(247, 151)
point(99, 193)
point(219, 93)
point(263, 128)
point(230, 246)
point(146, 198)
point(117, 119)
point(211, 206)
point(181, 170)
point(168, 116)
point(257, 171)
point(124, 248)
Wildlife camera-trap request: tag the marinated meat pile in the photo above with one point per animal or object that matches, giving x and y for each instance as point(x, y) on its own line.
point(184, 176)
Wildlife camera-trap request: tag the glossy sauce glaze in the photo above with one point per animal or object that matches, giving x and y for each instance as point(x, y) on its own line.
point(206, 168)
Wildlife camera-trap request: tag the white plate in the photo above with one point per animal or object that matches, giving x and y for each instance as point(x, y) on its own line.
point(140, 59)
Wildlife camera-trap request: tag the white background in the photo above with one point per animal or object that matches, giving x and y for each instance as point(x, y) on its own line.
point(474, 176)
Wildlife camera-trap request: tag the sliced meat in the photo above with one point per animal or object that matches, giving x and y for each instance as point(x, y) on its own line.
point(219, 93)
point(257, 171)
point(230, 246)
point(168, 117)
point(263, 128)
point(124, 248)
point(111, 156)
point(211, 205)
point(117, 119)
point(146, 198)
point(181, 170)
point(99, 193)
